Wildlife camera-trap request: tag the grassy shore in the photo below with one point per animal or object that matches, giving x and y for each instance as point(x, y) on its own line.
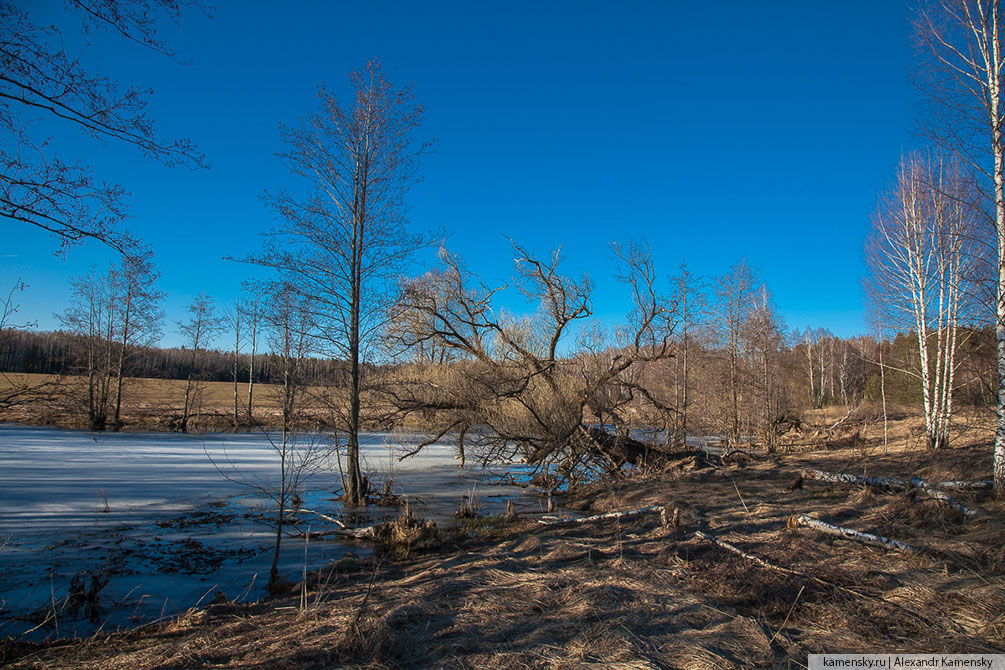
point(645, 591)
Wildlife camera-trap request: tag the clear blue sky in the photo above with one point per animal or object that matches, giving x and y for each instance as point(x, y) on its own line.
point(714, 130)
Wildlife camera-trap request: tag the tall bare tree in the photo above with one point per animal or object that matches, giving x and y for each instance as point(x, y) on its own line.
point(252, 313)
point(763, 336)
point(689, 295)
point(39, 185)
point(343, 244)
point(138, 316)
point(734, 293)
point(964, 40)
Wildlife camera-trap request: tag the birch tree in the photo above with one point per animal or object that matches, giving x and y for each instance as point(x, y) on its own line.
point(252, 312)
point(963, 40)
point(922, 257)
point(343, 244)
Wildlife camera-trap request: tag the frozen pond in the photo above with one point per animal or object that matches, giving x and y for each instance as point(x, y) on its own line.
point(151, 513)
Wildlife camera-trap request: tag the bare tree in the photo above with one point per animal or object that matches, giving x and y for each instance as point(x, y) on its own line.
point(91, 317)
point(234, 318)
point(762, 333)
point(734, 303)
point(138, 316)
point(964, 40)
point(343, 245)
point(253, 312)
point(691, 304)
point(200, 329)
point(40, 80)
point(922, 257)
point(512, 391)
point(299, 451)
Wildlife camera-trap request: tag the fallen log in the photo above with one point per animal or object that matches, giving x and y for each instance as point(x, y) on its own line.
point(981, 485)
point(860, 480)
point(891, 484)
point(797, 520)
point(931, 492)
point(599, 517)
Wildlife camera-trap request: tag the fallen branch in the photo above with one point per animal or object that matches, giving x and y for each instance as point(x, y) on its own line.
point(850, 534)
point(771, 566)
point(364, 533)
point(931, 492)
point(844, 418)
point(599, 517)
point(857, 480)
point(750, 557)
point(893, 485)
point(986, 484)
point(323, 516)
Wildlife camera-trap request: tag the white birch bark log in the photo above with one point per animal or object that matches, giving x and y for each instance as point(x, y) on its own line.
point(895, 485)
point(855, 535)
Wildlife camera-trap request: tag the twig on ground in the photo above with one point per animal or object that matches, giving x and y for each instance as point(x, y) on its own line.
point(787, 615)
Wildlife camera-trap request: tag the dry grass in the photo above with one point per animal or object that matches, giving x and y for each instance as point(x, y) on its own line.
point(148, 404)
point(633, 594)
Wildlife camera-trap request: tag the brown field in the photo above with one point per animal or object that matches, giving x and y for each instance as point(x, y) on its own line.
point(147, 404)
point(635, 593)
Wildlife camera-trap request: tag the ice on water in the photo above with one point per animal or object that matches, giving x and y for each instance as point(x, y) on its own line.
point(175, 530)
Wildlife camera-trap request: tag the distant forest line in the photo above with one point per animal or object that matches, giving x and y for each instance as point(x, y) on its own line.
point(844, 370)
point(61, 353)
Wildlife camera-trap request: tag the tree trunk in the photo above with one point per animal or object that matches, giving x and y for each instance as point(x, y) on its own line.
point(994, 100)
point(684, 397)
point(251, 363)
point(735, 432)
point(809, 360)
point(237, 369)
point(882, 392)
point(185, 408)
point(274, 571)
point(117, 421)
point(121, 367)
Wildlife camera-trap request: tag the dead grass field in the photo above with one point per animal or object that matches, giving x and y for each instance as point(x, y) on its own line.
point(148, 404)
point(635, 593)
